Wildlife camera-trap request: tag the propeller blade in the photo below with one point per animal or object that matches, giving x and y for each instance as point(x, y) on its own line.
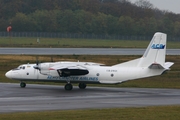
point(37, 61)
point(37, 66)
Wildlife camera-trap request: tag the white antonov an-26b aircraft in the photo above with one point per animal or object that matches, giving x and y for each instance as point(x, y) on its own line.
point(152, 63)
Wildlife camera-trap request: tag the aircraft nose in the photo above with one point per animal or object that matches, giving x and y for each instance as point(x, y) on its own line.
point(8, 74)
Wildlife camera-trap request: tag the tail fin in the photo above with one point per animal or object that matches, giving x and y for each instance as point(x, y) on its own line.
point(155, 52)
point(154, 56)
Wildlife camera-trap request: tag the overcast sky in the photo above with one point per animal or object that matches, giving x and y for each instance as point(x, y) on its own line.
point(170, 5)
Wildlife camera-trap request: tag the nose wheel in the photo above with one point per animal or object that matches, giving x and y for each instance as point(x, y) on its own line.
point(22, 85)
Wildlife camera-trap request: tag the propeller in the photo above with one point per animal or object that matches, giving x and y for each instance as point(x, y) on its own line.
point(40, 66)
point(37, 66)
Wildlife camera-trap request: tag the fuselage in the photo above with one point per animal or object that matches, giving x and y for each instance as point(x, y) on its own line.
point(97, 74)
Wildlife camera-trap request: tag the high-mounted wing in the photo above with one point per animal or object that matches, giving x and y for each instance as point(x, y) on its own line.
point(65, 70)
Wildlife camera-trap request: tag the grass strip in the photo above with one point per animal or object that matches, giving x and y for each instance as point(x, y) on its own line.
point(77, 43)
point(141, 113)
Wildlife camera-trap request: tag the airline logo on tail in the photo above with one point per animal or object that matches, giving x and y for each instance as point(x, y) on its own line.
point(158, 46)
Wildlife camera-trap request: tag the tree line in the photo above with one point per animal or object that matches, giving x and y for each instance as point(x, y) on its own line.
point(111, 17)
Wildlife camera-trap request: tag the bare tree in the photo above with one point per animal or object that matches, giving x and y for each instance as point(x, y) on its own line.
point(112, 1)
point(144, 4)
point(124, 1)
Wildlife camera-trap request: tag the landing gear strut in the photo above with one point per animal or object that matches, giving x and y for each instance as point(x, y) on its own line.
point(82, 85)
point(68, 86)
point(22, 85)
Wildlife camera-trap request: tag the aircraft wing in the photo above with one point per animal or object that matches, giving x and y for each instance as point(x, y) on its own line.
point(66, 70)
point(74, 65)
point(67, 66)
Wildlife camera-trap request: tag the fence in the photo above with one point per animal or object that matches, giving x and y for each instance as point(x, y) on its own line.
point(79, 36)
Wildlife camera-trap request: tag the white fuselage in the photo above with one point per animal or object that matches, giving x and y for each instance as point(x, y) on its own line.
point(97, 74)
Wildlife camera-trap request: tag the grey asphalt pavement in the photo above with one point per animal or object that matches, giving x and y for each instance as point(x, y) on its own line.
point(52, 97)
point(80, 51)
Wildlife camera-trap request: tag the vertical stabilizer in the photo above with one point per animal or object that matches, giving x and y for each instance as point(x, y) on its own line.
point(155, 52)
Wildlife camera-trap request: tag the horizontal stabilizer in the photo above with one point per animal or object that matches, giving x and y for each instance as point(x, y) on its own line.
point(166, 66)
point(156, 66)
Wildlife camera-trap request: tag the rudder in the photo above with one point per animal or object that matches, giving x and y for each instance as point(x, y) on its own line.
point(155, 52)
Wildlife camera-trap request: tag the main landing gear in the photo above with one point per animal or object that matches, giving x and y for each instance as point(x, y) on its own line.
point(69, 86)
point(22, 84)
point(82, 85)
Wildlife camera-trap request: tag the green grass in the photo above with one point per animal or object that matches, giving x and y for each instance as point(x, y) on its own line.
point(142, 113)
point(75, 43)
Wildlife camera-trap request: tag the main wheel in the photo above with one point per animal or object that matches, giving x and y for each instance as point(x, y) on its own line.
point(82, 85)
point(22, 85)
point(68, 86)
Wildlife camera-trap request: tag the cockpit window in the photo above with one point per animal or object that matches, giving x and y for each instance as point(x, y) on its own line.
point(20, 67)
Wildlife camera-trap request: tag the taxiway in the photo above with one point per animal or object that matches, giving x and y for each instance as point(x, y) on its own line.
point(79, 51)
point(52, 97)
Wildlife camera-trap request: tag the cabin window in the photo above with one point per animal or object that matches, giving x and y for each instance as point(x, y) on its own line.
point(23, 67)
point(97, 74)
point(112, 75)
point(27, 73)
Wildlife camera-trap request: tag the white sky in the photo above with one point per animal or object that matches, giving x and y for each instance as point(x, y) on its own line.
point(170, 5)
